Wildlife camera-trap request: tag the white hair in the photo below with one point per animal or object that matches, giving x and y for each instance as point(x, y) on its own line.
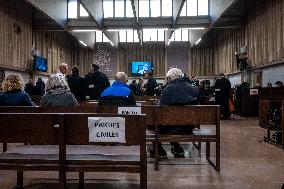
point(120, 76)
point(56, 81)
point(174, 73)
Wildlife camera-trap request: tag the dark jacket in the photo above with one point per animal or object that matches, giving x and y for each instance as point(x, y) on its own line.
point(151, 86)
point(97, 82)
point(29, 87)
point(15, 98)
point(222, 95)
point(77, 86)
point(179, 92)
point(39, 89)
point(118, 94)
point(133, 88)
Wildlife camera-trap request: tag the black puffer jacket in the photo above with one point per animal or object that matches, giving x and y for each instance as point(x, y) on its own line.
point(97, 82)
point(179, 92)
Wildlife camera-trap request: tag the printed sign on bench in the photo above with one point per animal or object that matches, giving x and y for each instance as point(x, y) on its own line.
point(129, 110)
point(253, 92)
point(106, 129)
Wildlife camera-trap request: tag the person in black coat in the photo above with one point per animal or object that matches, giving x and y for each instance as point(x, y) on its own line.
point(178, 92)
point(133, 87)
point(97, 82)
point(222, 95)
point(151, 85)
point(77, 84)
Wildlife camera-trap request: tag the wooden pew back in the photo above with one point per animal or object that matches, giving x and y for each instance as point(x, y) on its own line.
point(31, 128)
point(77, 131)
point(188, 115)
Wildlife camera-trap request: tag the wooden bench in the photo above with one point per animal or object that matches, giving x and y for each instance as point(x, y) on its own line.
point(69, 129)
point(170, 116)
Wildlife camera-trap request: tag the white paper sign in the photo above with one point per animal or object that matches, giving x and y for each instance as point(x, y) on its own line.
point(106, 129)
point(212, 99)
point(253, 91)
point(91, 86)
point(138, 104)
point(129, 110)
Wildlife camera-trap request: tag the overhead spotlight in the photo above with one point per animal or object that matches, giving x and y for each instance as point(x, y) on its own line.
point(84, 30)
point(198, 41)
point(83, 43)
point(116, 30)
point(198, 28)
point(155, 29)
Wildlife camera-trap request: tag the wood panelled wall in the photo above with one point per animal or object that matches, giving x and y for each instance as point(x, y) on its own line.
point(17, 39)
point(265, 31)
point(152, 52)
point(59, 47)
point(263, 34)
point(15, 34)
point(219, 55)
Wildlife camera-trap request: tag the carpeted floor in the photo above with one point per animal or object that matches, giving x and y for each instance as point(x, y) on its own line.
point(246, 163)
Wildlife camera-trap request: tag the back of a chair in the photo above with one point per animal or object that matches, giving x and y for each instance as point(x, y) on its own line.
point(188, 115)
point(38, 128)
point(77, 128)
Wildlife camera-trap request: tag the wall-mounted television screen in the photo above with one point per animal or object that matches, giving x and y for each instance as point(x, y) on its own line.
point(141, 68)
point(40, 64)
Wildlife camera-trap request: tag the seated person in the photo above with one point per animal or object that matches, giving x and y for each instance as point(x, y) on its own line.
point(14, 95)
point(178, 92)
point(119, 93)
point(57, 92)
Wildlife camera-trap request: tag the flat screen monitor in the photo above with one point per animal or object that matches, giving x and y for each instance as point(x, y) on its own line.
point(141, 68)
point(40, 64)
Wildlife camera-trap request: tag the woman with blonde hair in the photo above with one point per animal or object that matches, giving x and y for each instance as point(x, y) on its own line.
point(14, 95)
point(57, 92)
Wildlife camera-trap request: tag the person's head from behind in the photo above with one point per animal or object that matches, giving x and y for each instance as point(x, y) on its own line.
point(95, 67)
point(56, 81)
point(75, 71)
point(221, 75)
point(13, 83)
point(149, 74)
point(120, 77)
point(133, 81)
point(269, 85)
point(278, 84)
point(39, 79)
point(140, 80)
point(63, 68)
point(174, 73)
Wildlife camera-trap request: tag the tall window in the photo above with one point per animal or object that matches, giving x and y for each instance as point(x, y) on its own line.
point(191, 7)
point(155, 8)
point(129, 10)
point(161, 35)
point(119, 8)
point(122, 36)
point(143, 8)
point(167, 9)
point(129, 35)
point(99, 36)
point(83, 12)
point(105, 39)
point(135, 36)
point(184, 35)
point(177, 35)
point(202, 7)
point(108, 8)
point(72, 9)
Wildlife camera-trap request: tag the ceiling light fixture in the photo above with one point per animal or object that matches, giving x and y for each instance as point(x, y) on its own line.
point(82, 30)
point(198, 41)
point(200, 28)
point(116, 30)
point(83, 43)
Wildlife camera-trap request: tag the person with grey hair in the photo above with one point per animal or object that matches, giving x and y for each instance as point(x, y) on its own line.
point(119, 93)
point(57, 92)
point(178, 92)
